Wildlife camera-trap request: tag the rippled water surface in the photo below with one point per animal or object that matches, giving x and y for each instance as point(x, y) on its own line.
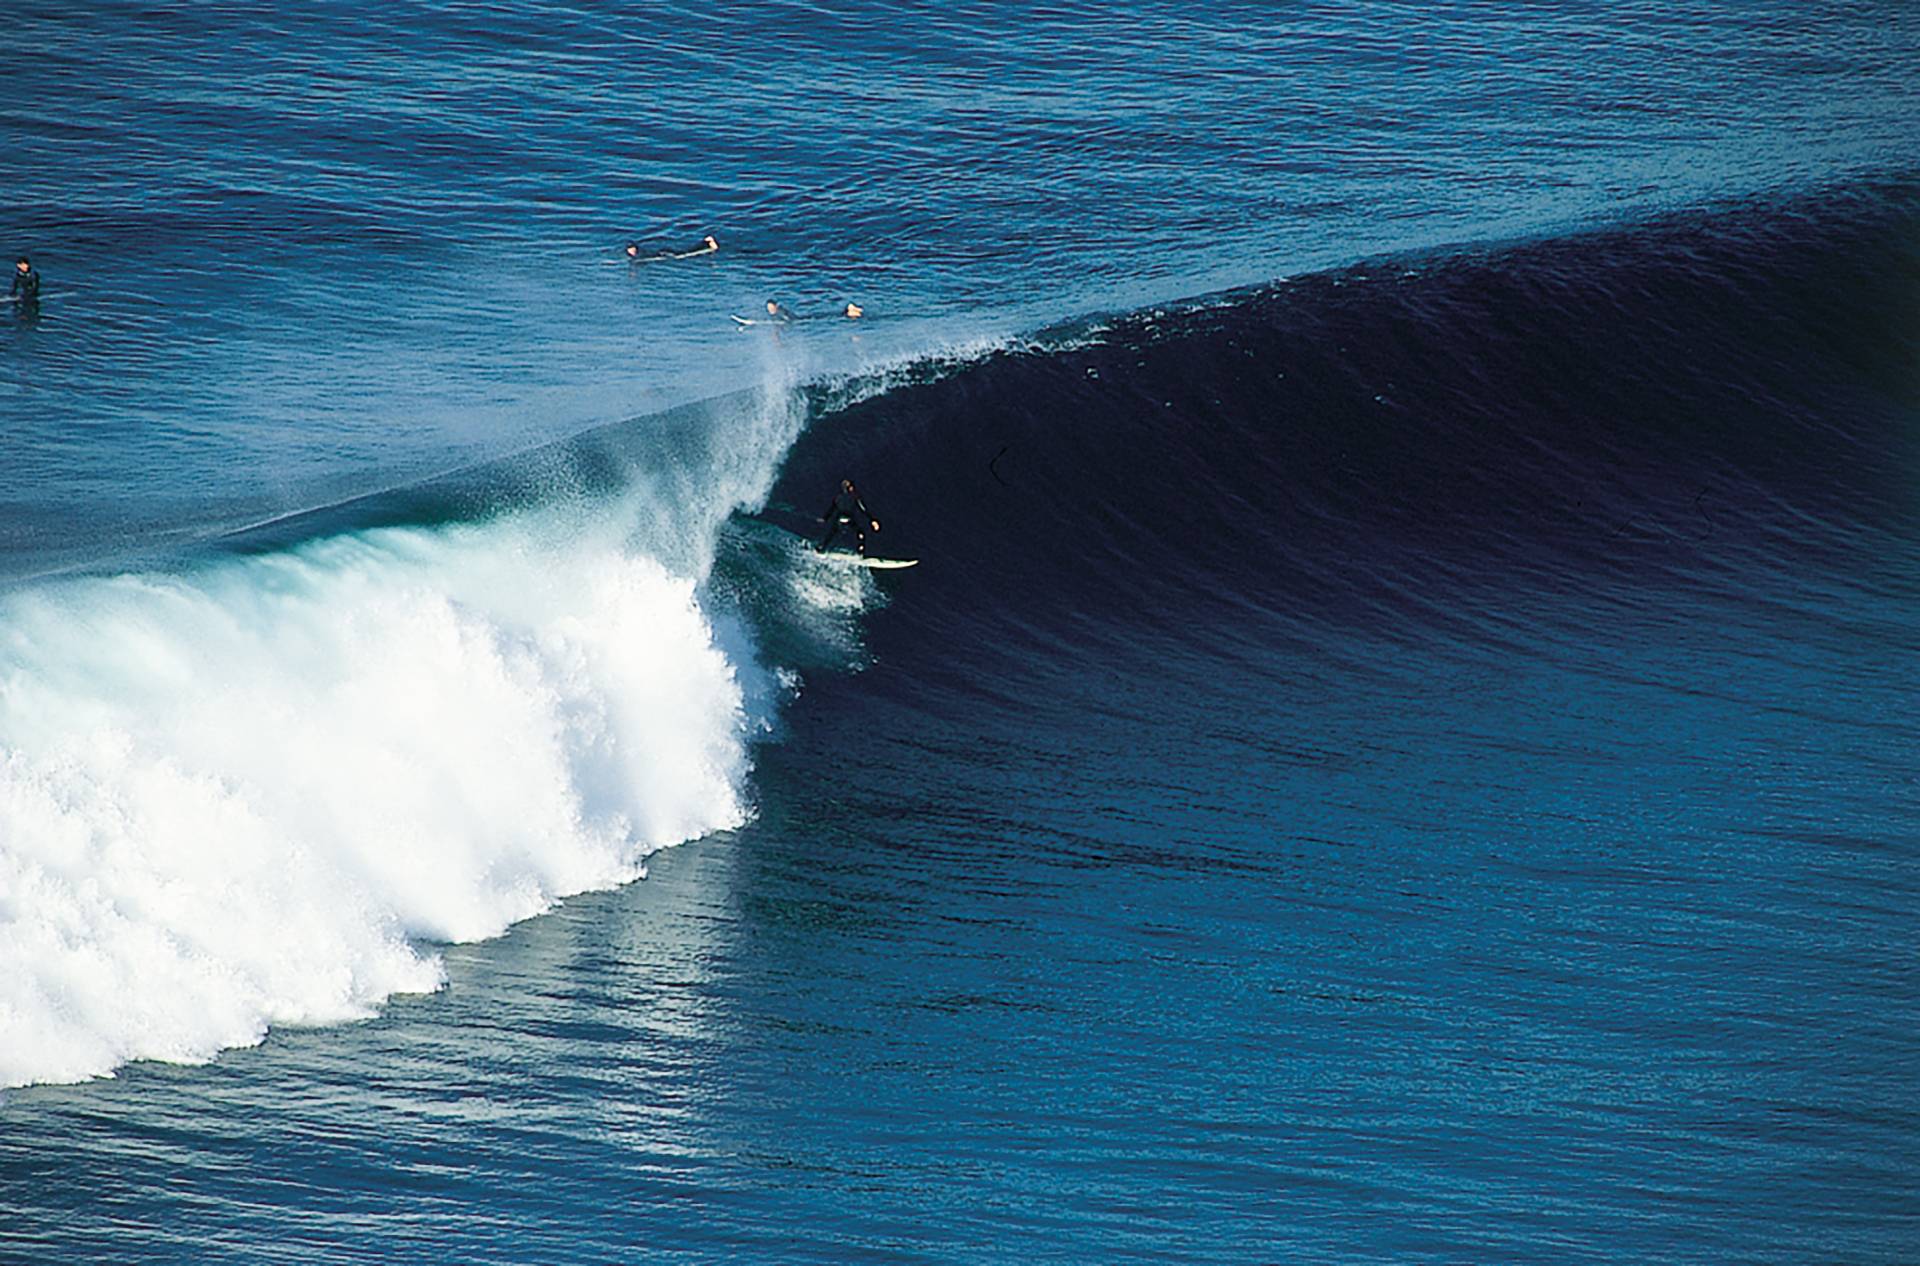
point(1399, 746)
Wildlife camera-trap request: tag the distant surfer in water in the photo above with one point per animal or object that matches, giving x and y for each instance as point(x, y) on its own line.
point(779, 314)
point(847, 510)
point(708, 245)
point(25, 289)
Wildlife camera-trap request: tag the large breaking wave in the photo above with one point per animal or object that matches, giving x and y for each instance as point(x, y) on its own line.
point(245, 791)
point(253, 788)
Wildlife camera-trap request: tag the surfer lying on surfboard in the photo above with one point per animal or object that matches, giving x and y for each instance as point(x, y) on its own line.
point(779, 314)
point(707, 247)
point(847, 510)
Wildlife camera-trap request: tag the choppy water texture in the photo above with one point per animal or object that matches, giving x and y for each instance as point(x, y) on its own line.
point(1401, 746)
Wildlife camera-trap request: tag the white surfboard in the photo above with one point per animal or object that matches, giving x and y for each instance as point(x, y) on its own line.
point(661, 257)
point(875, 564)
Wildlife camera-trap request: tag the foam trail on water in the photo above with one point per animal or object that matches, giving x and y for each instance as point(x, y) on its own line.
point(246, 794)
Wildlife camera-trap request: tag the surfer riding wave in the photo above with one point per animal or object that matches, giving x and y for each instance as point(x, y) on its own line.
point(847, 510)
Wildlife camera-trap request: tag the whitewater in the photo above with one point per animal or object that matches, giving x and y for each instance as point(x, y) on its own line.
point(256, 790)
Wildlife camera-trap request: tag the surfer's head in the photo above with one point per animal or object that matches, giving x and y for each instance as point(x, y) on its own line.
point(24, 265)
point(709, 243)
point(846, 485)
point(773, 308)
point(853, 311)
point(633, 250)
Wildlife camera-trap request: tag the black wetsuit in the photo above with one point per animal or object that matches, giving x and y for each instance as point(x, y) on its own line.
point(846, 509)
point(25, 287)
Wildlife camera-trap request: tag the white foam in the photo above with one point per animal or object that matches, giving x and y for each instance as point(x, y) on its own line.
point(244, 797)
point(256, 793)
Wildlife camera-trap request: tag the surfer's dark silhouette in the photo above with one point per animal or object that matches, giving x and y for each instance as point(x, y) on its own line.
point(847, 510)
point(25, 289)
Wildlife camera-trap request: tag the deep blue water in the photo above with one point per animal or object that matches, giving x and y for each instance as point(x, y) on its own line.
point(1401, 746)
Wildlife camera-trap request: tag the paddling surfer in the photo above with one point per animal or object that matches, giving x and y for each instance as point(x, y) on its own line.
point(708, 245)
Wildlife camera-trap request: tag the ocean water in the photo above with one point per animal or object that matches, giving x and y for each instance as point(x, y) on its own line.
point(1401, 745)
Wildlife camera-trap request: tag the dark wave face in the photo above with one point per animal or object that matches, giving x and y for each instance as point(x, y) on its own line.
point(1676, 405)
